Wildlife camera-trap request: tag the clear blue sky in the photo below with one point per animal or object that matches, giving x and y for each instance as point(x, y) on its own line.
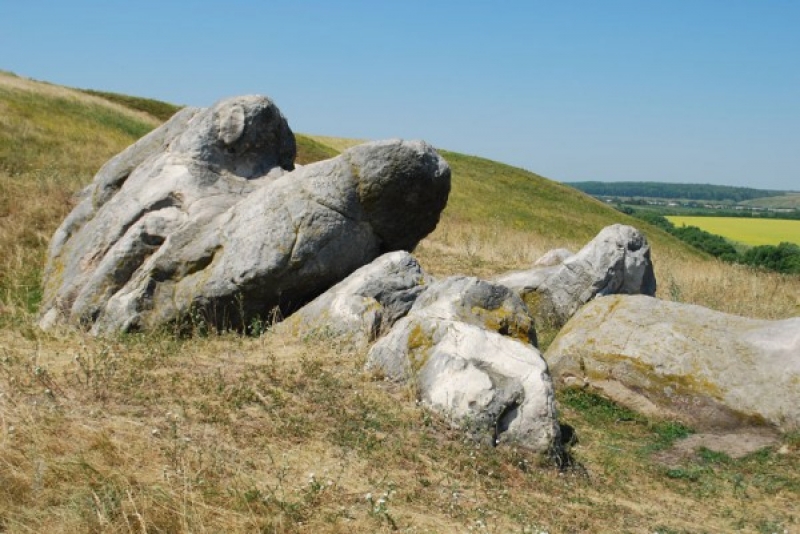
point(680, 91)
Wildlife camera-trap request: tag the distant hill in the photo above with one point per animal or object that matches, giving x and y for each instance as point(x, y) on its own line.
point(786, 202)
point(706, 192)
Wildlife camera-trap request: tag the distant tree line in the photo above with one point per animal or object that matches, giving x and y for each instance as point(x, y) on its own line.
point(783, 258)
point(704, 192)
point(742, 214)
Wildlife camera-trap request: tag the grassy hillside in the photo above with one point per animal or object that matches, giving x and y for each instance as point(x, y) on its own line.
point(486, 193)
point(47, 128)
point(281, 435)
point(160, 110)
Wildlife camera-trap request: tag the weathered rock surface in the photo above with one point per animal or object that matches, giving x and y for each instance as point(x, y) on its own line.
point(667, 359)
point(479, 303)
point(557, 256)
point(203, 218)
point(367, 303)
point(617, 261)
point(465, 346)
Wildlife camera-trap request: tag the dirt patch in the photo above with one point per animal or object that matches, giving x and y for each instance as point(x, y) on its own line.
point(734, 444)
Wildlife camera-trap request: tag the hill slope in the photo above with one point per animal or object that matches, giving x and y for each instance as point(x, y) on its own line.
point(277, 434)
point(787, 201)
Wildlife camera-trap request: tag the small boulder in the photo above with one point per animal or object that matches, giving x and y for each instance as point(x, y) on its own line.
point(367, 303)
point(466, 347)
point(616, 261)
point(480, 303)
point(206, 220)
point(667, 359)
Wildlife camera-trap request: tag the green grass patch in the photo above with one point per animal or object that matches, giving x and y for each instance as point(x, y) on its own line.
point(75, 137)
point(156, 108)
point(310, 151)
point(597, 409)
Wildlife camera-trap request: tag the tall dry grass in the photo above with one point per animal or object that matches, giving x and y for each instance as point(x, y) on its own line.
point(287, 435)
point(31, 207)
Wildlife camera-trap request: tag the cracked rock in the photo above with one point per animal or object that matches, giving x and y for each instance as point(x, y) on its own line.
point(616, 261)
point(367, 303)
point(205, 222)
point(467, 348)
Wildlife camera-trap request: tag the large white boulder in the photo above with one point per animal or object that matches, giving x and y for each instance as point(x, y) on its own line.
point(677, 360)
point(204, 220)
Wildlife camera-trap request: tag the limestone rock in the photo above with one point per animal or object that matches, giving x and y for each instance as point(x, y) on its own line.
point(483, 304)
point(451, 348)
point(365, 304)
point(709, 368)
point(204, 220)
point(557, 256)
point(616, 261)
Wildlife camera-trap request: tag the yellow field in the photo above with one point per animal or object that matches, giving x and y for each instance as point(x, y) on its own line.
point(745, 230)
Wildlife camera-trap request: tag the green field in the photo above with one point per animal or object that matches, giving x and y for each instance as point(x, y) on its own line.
point(744, 229)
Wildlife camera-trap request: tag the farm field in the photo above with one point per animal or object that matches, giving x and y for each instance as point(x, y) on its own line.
point(745, 230)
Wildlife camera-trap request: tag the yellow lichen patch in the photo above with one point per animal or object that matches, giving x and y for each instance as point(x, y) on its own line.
point(541, 309)
point(504, 321)
point(419, 345)
point(532, 299)
point(627, 369)
point(697, 398)
point(55, 277)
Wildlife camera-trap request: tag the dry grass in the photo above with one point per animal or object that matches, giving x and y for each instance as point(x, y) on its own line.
point(279, 434)
point(222, 433)
point(340, 144)
point(728, 288)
